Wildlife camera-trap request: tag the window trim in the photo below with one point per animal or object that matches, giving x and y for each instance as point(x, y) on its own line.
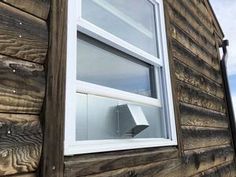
point(71, 146)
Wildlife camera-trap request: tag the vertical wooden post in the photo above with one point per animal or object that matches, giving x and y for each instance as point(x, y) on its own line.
point(53, 147)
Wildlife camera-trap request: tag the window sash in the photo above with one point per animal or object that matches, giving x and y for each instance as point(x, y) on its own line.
point(116, 42)
point(94, 89)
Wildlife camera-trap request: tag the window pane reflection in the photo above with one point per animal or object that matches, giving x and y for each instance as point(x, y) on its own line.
point(131, 21)
point(103, 65)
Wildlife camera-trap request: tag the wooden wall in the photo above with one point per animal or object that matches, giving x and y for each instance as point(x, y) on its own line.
point(205, 143)
point(23, 50)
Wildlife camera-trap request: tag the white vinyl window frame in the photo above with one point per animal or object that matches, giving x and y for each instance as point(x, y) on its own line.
point(76, 23)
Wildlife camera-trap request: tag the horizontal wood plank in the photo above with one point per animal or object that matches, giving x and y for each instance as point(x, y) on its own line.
point(226, 169)
point(186, 26)
point(153, 169)
point(201, 18)
point(24, 175)
point(39, 8)
point(202, 159)
point(19, 124)
point(202, 117)
point(185, 74)
point(192, 20)
point(192, 163)
point(189, 44)
point(199, 137)
point(192, 60)
point(81, 165)
point(195, 96)
point(201, 8)
point(22, 35)
point(22, 86)
point(20, 145)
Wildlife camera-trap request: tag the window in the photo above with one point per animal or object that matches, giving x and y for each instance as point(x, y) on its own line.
point(118, 89)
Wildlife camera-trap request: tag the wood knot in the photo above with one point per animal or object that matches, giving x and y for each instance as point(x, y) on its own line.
point(4, 154)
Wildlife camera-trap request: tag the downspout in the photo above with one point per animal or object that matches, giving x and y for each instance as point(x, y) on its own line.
point(223, 65)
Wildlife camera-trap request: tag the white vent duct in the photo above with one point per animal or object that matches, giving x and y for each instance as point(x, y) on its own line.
point(131, 120)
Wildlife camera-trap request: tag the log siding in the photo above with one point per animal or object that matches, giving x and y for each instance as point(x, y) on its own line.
point(23, 50)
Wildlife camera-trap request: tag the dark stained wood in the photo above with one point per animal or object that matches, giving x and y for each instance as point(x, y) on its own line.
point(181, 23)
point(227, 169)
point(19, 124)
point(194, 48)
point(204, 158)
point(192, 163)
point(191, 19)
point(53, 147)
point(195, 63)
point(208, 8)
point(24, 175)
point(22, 35)
point(197, 12)
point(201, 9)
point(81, 165)
point(196, 79)
point(199, 137)
point(22, 86)
point(197, 97)
point(39, 8)
point(20, 145)
point(168, 168)
point(202, 117)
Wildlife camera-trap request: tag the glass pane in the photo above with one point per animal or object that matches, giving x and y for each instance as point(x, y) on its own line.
point(103, 65)
point(131, 20)
point(97, 119)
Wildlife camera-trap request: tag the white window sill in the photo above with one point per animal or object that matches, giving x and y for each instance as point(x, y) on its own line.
point(96, 146)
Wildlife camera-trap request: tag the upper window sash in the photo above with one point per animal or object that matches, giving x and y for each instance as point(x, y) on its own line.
point(100, 34)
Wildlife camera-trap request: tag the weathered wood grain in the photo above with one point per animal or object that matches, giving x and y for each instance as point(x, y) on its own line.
point(185, 74)
point(192, 163)
point(199, 160)
point(19, 124)
point(199, 137)
point(195, 63)
point(181, 23)
point(207, 7)
point(81, 165)
point(201, 18)
point(201, 9)
point(202, 117)
point(194, 96)
point(192, 20)
point(224, 170)
point(22, 35)
point(22, 86)
point(53, 158)
point(20, 145)
point(189, 44)
point(39, 8)
point(24, 175)
point(20, 158)
point(153, 169)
